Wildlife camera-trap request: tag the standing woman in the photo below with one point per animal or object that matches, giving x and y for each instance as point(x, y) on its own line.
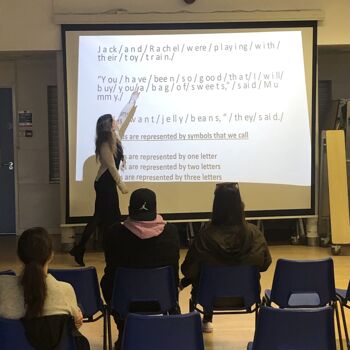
point(109, 153)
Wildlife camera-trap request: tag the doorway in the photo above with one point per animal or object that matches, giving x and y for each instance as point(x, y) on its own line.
point(7, 164)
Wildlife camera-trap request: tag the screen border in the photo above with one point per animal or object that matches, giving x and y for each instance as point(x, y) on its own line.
point(187, 217)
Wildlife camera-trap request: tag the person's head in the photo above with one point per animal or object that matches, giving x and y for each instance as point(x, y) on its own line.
point(105, 127)
point(34, 249)
point(105, 123)
point(143, 205)
point(228, 208)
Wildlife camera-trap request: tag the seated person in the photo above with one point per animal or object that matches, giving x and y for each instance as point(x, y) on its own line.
point(227, 240)
point(36, 293)
point(145, 240)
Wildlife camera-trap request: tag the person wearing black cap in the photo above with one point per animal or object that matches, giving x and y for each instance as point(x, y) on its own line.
point(144, 240)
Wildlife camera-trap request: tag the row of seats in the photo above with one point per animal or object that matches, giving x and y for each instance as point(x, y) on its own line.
point(300, 329)
point(296, 284)
point(276, 329)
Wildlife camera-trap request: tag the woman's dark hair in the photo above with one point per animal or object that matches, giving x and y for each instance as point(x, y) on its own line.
point(228, 208)
point(34, 249)
point(104, 133)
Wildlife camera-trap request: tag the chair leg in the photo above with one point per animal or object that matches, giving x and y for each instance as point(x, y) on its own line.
point(104, 330)
point(338, 326)
point(191, 305)
point(265, 301)
point(344, 324)
point(109, 330)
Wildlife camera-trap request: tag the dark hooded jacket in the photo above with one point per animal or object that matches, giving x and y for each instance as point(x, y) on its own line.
point(139, 244)
point(225, 246)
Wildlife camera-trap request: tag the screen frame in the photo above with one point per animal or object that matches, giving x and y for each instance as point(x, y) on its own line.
point(201, 216)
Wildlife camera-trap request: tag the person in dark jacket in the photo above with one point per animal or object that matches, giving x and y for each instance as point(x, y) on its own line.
point(144, 240)
point(227, 240)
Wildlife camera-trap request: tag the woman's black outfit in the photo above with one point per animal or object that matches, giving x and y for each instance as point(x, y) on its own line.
point(107, 210)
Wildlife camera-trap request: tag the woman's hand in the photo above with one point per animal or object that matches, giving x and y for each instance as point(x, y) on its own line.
point(122, 187)
point(134, 96)
point(78, 320)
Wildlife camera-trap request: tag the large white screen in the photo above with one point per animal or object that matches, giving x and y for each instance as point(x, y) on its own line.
point(214, 106)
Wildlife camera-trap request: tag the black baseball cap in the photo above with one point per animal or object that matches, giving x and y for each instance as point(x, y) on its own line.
point(143, 205)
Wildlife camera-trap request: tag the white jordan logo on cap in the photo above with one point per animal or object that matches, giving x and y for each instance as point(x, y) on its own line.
point(143, 207)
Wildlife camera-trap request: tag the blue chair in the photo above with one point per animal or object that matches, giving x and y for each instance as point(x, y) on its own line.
point(144, 290)
point(227, 290)
point(173, 332)
point(87, 289)
point(13, 335)
point(301, 329)
point(304, 284)
point(8, 272)
point(149, 290)
point(344, 298)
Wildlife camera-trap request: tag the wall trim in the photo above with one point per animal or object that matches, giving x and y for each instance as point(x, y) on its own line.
point(122, 16)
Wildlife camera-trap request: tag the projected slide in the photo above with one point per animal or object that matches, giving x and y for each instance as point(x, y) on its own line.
point(218, 102)
point(213, 107)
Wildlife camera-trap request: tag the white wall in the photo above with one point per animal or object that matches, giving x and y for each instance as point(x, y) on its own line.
point(29, 25)
point(38, 201)
point(335, 65)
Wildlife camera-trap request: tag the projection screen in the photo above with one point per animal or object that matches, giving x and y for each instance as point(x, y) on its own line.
point(219, 102)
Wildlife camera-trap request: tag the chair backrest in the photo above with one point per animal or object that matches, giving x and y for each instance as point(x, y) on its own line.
point(302, 329)
point(8, 272)
point(12, 335)
point(219, 283)
point(50, 332)
point(171, 332)
point(86, 287)
point(152, 289)
point(308, 282)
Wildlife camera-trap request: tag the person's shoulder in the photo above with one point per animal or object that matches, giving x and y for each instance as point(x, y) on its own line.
point(59, 291)
point(170, 230)
point(169, 234)
point(9, 281)
point(113, 232)
point(104, 144)
point(54, 284)
point(253, 228)
point(115, 228)
point(105, 149)
point(56, 287)
point(207, 227)
point(170, 227)
point(8, 278)
point(11, 297)
point(255, 233)
point(208, 230)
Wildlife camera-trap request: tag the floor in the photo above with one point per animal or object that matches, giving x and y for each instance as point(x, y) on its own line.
point(231, 331)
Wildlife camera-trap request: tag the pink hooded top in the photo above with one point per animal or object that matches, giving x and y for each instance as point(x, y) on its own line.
point(146, 229)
